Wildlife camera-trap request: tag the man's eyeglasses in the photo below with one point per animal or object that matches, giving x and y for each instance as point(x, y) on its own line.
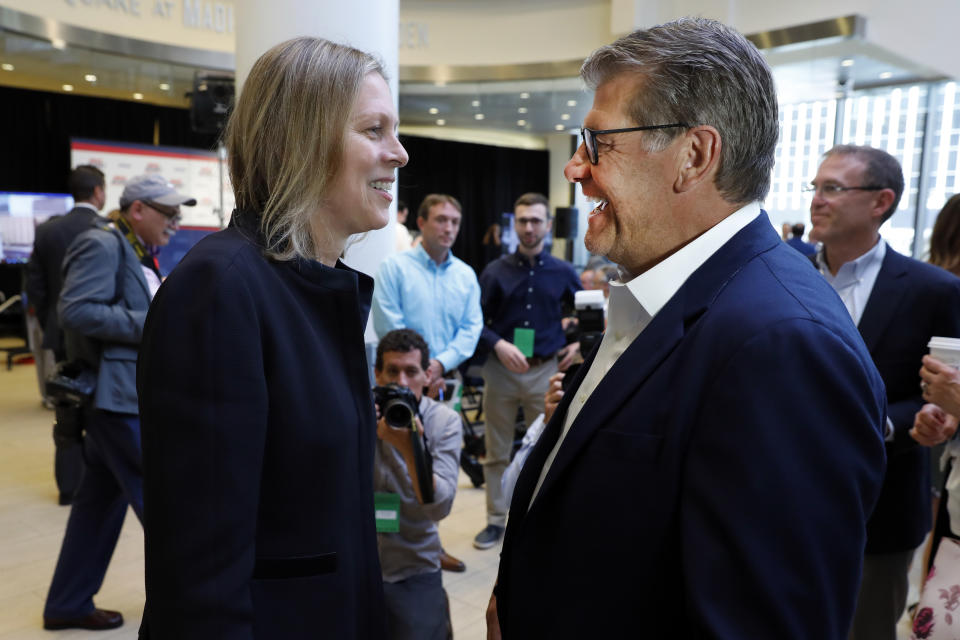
point(590, 136)
point(171, 213)
point(831, 190)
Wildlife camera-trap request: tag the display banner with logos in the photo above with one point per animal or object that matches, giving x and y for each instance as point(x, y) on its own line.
point(193, 172)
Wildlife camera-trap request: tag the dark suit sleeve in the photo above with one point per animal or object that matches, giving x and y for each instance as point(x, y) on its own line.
point(203, 407)
point(36, 285)
point(944, 315)
point(490, 301)
point(776, 493)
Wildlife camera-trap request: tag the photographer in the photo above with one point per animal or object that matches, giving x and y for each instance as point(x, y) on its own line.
point(410, 558)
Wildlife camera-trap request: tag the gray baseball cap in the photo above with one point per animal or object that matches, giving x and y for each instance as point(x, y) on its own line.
point(153, 188)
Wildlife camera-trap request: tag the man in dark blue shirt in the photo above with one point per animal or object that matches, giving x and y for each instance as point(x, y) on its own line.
point(522, 295)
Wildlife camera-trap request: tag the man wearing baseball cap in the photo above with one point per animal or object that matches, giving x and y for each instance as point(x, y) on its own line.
point(109, 278)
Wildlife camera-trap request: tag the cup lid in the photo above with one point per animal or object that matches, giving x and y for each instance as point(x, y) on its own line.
point(941, 342)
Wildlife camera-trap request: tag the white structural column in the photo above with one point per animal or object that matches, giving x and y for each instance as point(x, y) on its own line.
point(368, 25)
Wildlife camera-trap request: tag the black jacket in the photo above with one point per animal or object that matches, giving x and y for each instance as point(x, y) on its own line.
point(258, 433)
point(44, 274)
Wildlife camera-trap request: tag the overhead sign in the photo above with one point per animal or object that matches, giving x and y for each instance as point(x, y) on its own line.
point(202, 15)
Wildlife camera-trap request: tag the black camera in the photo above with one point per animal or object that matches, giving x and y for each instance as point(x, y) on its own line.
point(397, 404)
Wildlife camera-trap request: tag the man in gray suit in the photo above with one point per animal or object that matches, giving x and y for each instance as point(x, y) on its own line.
point(110, 275)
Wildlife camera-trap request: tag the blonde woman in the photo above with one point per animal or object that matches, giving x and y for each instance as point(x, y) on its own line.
point(258, 422)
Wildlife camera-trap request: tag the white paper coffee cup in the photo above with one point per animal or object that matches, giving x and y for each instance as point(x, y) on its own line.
point(946, 350)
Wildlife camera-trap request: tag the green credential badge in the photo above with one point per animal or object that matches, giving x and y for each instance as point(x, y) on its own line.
point(387, 509)
point(523, 340)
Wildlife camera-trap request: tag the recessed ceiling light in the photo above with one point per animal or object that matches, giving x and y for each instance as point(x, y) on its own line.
point(560, 127)
point(524, 95)
point(846, 62)
point(68, 87)
point(90, 77)
point(571, 103)
point(565, 116)
point(434, 111)
point(521, 123)
point(475, 103)
point(57, 43)
point(441, 122)
point(478, 116)
point(522, 110)
point(6, 66)
point(138, 96)
point(886, 75)
point(164, 86)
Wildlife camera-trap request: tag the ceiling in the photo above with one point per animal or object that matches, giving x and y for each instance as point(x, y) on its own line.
point(810, 70)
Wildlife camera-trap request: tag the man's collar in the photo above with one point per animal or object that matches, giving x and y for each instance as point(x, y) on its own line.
point(424, 257)
point(654, 288)
point(854, 267)
point(86, 205)
point(524, 258)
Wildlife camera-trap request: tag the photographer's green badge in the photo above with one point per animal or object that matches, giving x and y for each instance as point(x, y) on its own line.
point(523, 339)
point(387, 509)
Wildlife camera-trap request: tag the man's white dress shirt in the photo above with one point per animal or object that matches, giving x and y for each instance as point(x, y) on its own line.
point(635, 300)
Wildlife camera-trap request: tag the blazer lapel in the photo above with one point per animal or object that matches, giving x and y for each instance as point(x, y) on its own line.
point(651, 347)
point(884, 298)
point(133, 267)
point(530, 472)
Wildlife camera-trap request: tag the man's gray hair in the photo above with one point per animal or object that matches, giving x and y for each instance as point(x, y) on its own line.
point(700, 71)
point(880, 170)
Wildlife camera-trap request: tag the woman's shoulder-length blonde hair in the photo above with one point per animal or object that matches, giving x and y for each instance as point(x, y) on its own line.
point(285, 136)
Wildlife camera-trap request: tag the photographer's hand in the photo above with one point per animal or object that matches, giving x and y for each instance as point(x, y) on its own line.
point(553, 396)
point(567, 354)
point(399, 439)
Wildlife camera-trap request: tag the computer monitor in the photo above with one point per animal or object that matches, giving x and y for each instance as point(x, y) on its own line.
point(20, 213)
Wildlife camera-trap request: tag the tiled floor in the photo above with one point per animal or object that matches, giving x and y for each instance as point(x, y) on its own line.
point(31, 528)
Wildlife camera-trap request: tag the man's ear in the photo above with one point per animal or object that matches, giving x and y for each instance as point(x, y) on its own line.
point(699, 157)
point(135, 212)
point(420, 223)
point(882, 202)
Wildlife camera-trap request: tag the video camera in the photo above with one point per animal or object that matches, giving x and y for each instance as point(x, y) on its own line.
point(398, 406)
point(589, 311)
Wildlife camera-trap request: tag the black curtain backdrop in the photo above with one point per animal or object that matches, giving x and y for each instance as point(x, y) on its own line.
point(36, 127)
point(485, 179)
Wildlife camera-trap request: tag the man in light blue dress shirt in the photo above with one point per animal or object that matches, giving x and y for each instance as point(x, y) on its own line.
point(436, 294)
point(431, 291)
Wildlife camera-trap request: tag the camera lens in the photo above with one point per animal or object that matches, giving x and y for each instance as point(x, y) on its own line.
point(397, 413)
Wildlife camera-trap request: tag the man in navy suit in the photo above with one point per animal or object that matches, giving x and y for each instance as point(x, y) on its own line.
point(44, 279)
point(729, 515)
point(898, 303)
